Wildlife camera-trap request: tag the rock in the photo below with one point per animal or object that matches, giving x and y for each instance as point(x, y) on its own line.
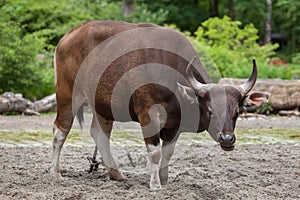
point(11, 102)
point(284, 94)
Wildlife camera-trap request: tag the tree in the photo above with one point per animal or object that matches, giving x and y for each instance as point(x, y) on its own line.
point(287, 17)
point(213, 8)
point(127, 7)
point(19, 66)
point(251, 12)
point(268, 26)
point(187, 15)
point(231, 10)
point(231, 47)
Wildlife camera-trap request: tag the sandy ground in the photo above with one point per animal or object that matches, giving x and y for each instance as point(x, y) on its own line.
point(45, 122)
point(197, 172)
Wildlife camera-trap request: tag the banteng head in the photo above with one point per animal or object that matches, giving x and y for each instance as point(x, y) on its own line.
point(220, 104)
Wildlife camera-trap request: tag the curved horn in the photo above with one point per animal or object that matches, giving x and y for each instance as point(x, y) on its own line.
point(196, 85)
point(247, 86)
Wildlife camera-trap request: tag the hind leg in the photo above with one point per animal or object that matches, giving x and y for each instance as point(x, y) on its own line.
point(167, 152)
point(66, 111)
point(100, 131)
point(154, 155)
point(61, 128)
point(151, 127)
point(94, 164)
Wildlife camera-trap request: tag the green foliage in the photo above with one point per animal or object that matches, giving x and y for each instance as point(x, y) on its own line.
point(57, 17)
point(288, 71)
point(286, 20)
point(255, 12)
point(31, 29)
point(143, 14)
point(19, 66)
point(231, 47)
point(224, 32)
point(186, 14)
point(266, 109)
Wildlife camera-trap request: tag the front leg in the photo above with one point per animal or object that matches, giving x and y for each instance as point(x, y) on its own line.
point(100, 131)
point(151, 125)
point(167, 152)
point(154, 153)
point(94, 164)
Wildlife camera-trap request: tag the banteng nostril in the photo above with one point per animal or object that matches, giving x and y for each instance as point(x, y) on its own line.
point(227, 138)
point(221, 138)
point(232, 139)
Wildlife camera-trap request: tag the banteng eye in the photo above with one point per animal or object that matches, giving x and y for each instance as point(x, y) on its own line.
point(242, 109)
point(236, 114)
point(209, 111)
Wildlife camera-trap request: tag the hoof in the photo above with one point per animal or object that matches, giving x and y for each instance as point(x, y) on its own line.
point(163, 179)
point(56, 175)
point(155, 183)
point(163, 182)
point(116, 174)
point(94, 164)
point(163, 175)
point(155, 186)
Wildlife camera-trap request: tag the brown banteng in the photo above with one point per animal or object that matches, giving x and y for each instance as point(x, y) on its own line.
point(143, 73)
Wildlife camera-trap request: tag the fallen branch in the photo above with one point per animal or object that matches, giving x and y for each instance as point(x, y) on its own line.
point(289, 112)
point(11, 102)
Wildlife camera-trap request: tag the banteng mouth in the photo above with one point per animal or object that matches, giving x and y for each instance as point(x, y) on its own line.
point(227, 148)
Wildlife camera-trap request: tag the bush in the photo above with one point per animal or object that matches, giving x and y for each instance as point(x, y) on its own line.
point(278, 68)
point(20, 69)
point(143, 14)
point(266, 109)
point(231, 48)
point(30, 30)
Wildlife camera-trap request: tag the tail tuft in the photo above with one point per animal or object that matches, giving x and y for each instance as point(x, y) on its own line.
point(79, 116)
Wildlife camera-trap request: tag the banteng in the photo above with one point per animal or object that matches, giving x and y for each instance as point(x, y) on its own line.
point(143, 73)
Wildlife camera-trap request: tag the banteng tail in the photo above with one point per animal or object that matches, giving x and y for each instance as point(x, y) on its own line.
point(79, 116)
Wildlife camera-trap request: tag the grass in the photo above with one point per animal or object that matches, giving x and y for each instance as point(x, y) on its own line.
point(134, 138)
point(268, 136)
point(27, 137)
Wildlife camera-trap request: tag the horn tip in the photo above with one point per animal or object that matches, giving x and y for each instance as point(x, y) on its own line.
point(193, 59)
point(190, 63)
point(254, 61)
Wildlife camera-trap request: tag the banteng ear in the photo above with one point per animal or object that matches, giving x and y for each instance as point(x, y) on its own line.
point(187, 93)
point(255, 100)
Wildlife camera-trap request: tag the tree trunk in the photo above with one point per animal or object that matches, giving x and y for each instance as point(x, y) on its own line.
point(213, 8)
point(293, 38)
point(268, 24)
point(231, 10)
point(127, 7)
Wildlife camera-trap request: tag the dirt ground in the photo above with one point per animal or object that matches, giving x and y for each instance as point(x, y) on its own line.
point(251, 171)
point(45, 122)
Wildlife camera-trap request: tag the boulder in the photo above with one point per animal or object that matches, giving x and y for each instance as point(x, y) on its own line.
point(284, 94)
